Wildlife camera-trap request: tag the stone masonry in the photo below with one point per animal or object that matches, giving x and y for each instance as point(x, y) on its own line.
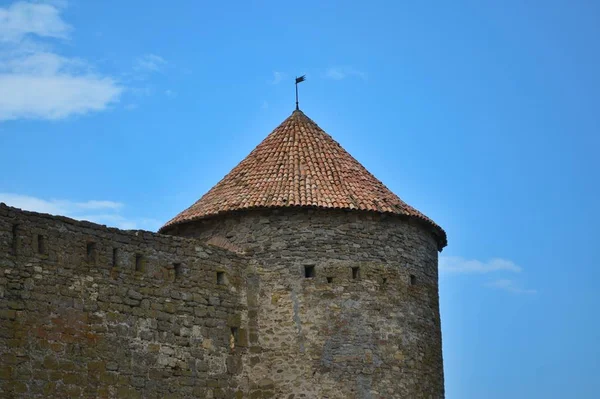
point(365, 325)
point(80, 319)
point(299, 275)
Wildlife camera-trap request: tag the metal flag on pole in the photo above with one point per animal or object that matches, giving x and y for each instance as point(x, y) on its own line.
point(298, 80)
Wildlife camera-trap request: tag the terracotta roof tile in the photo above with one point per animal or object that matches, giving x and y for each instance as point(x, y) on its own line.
point(299, 164)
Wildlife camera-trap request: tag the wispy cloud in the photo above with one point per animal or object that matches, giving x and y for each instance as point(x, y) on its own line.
point(277, 77)
point(457, 264)
point(150, 63)
point(510, 286)
point(37, 82)
point(343, 72)
point(103, 212)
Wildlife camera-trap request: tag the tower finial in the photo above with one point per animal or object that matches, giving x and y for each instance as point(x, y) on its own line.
point(298, 80)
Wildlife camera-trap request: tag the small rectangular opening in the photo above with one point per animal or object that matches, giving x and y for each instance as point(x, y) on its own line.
point(233, 337)
point(413, 279)
point(91, 252)
point(329, 280)
point(115, 257)
point(384, 281)
point(41, 244)
point(178, 270)
point(139, 263)
point(355, 273)
point(309, 271)
point(15, 238)
point(221, 278)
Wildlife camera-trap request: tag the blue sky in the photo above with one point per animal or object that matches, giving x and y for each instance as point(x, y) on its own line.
point(483, 115)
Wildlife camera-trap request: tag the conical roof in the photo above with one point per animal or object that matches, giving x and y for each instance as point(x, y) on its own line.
point(299, 165)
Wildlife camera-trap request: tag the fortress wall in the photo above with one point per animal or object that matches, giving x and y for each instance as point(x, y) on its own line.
point(76, 321)
point(365, 325)
point(329, 304)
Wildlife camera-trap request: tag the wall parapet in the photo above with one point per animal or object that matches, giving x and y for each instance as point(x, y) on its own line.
point(92, 311)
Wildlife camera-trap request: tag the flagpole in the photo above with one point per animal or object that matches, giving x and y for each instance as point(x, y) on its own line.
point(297, 94)
point(298, 80)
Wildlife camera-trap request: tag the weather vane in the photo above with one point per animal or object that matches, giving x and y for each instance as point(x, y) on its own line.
point(298, 80)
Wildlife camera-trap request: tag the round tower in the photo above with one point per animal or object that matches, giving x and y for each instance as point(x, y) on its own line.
point(342, 292)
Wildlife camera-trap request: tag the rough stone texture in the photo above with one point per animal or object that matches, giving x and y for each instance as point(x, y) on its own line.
point(335, 336)
point(73, 324)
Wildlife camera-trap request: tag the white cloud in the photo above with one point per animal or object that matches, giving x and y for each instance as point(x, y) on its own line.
point(54, 97)
point(102, 212)
point(277, 77)
point(38, 83)
point(24, 18)
point(150, 63)
point(457, 264)
point(343, 72)
point(510, 286)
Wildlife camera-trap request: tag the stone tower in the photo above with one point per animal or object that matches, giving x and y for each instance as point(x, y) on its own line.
point(342, 293)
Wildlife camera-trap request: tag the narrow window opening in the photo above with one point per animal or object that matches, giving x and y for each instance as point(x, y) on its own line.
point(15, 238)
point(139, 263)
point(178, 270)
point(221, 278)
point(329, 280)
point(233, 337)
point(41, 241)
point(91, 252)
point(413, 279)
point(309, 271)
point(115, 257)
point(355, 273)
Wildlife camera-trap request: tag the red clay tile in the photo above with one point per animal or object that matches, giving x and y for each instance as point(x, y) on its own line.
point(299, 164)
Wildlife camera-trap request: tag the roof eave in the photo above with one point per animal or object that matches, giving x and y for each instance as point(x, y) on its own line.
point(438, 233)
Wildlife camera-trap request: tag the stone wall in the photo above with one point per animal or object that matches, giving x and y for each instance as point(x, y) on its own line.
point(301, 304)
point(89, 311)
point(341, 304)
